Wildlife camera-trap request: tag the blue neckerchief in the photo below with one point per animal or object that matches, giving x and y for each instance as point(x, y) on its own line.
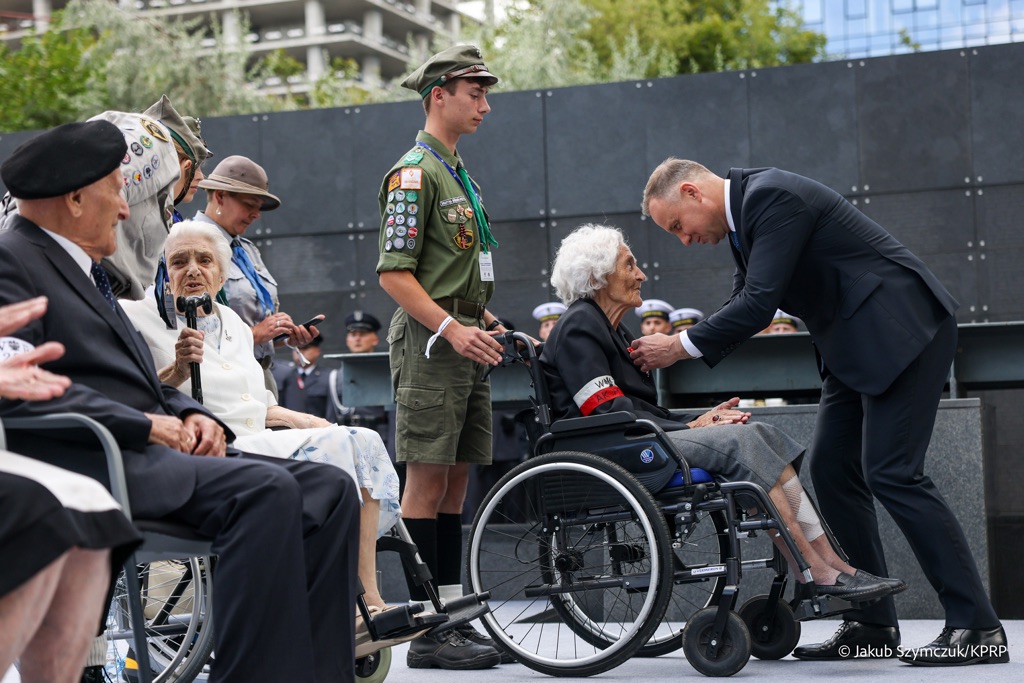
point(486, 239)
point(242, 260)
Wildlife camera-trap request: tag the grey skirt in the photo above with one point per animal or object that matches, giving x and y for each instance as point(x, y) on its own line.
point(755, 451)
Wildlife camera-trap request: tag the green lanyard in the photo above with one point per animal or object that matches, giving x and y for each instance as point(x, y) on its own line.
point(486, 239)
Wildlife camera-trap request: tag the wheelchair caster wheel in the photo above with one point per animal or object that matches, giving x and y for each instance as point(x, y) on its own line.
point(733, 643)
point(374, 668)
point(772, 636)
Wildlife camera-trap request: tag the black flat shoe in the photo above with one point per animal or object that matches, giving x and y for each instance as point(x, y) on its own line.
point(854, 640)
point(961, 647)
point(855, 588)
point(896, 585)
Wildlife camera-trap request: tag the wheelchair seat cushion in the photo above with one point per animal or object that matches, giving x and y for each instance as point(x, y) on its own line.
point(697, 476)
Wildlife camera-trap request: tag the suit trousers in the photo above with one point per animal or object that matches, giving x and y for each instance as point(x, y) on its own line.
point(286, 536)
point(868, 447)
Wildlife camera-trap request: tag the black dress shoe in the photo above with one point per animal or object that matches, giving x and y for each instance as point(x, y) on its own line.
point(896, 585)
point(960, 647)
point(449, 650)
point(472, 635)
point(857, 588)
point(855, 640)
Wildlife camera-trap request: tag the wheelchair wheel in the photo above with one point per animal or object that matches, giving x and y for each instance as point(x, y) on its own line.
point(176, 603)
point(374, 668)
point(733, 645)
point(772, 636)
point(576, 557)
point(699, 545)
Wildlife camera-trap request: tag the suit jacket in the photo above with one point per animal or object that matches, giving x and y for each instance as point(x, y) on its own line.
point(869, 304)
point(588, 370)
point(112, 371)
point(313, 397)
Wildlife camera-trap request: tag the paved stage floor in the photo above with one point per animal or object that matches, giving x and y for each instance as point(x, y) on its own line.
point(674, 666)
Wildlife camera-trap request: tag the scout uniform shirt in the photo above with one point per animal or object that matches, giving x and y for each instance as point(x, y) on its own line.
point(428, 225)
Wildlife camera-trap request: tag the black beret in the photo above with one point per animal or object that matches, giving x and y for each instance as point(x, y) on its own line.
point(361, 321)
point(63, 159)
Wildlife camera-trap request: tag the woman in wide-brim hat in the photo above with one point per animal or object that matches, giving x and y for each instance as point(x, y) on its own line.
point(236, 195)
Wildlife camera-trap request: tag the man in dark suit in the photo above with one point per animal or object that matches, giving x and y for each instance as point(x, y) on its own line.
point(285, 532)
point(885, 333)
point(305, 388)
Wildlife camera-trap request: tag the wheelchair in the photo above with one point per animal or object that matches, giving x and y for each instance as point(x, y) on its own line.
point(590, 557)
point(177, 608)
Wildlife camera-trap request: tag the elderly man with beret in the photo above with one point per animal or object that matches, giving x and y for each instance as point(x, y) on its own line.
point(436, 262)
point(285, 532)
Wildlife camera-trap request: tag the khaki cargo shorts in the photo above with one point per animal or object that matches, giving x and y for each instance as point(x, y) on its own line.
point(443, 410)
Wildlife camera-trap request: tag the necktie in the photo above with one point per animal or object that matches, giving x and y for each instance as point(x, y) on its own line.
point(99, 276)
point(241, 259)
point(735, 239)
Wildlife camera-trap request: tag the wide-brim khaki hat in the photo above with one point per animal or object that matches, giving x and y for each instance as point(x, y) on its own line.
point(244, 176)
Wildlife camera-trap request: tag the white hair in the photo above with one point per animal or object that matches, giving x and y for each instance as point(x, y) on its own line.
point(199, 230)
point(585, 259)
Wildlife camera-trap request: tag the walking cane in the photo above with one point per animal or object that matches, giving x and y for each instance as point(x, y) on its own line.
point(189, 306)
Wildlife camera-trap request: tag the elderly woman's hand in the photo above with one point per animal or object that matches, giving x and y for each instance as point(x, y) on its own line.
point(722, 414)
point(188, 349)
point(271, 327)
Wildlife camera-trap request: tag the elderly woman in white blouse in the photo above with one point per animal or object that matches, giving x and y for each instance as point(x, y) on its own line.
point(233, 388)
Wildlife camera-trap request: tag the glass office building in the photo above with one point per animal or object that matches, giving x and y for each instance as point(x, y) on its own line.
point(873, 28)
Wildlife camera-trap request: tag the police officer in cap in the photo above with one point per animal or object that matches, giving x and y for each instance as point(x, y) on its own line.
point(362, 329)
point(436, 262)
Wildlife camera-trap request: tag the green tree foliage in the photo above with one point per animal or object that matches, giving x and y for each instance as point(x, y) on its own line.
point(703, 35)
point(46, 81)
point(544, 43)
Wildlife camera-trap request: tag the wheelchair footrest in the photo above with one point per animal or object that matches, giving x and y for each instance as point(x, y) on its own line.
point(463, 610)
point(402, 620)
point(821, 606)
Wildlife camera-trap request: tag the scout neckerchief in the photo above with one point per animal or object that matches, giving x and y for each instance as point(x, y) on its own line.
point(486, 239)
point(241, 259)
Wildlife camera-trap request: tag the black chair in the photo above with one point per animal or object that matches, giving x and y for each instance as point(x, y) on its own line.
point(168, 645)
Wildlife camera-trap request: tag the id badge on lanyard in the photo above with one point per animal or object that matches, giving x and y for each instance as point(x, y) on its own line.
point(486, 267)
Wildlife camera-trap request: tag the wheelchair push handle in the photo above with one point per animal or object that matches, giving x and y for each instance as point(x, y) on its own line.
point(516, 347)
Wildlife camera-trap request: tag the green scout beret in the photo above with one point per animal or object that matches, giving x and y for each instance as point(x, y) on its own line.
point(184, 129)
point(458, 61)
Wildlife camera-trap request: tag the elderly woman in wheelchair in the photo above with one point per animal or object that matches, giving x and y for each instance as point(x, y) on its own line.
point(198, 259)
point(589, 371)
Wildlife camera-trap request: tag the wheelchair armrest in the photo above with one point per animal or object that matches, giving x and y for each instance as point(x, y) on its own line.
point(572, 424)
point(70, 421)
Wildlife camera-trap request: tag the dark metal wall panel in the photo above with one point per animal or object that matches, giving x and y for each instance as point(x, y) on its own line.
point(703, 117)
point(999, 253)
point(590, 164)
point(506, 157)
point(940, 221)
point(381, 134)
point(997, 100)
point(320, 263)
point(804, 119)
point(308, 158)
point(913, 119)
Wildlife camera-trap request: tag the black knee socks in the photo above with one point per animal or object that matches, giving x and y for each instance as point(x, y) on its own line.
point(424, 535)
point(449, 550)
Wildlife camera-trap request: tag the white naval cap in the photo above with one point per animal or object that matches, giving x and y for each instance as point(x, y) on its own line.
point(685, 316)
point(654, 308)
point(552, 310)
point(782, 317)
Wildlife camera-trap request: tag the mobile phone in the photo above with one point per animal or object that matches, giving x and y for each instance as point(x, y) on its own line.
point(312, 321)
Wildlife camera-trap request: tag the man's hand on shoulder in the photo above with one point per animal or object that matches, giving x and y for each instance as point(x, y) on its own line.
point(657, 351)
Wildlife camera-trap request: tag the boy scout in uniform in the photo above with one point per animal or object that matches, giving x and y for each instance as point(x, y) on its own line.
point(435, 262)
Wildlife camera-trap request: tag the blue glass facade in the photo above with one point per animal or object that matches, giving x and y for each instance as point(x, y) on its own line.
point(873, 28)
